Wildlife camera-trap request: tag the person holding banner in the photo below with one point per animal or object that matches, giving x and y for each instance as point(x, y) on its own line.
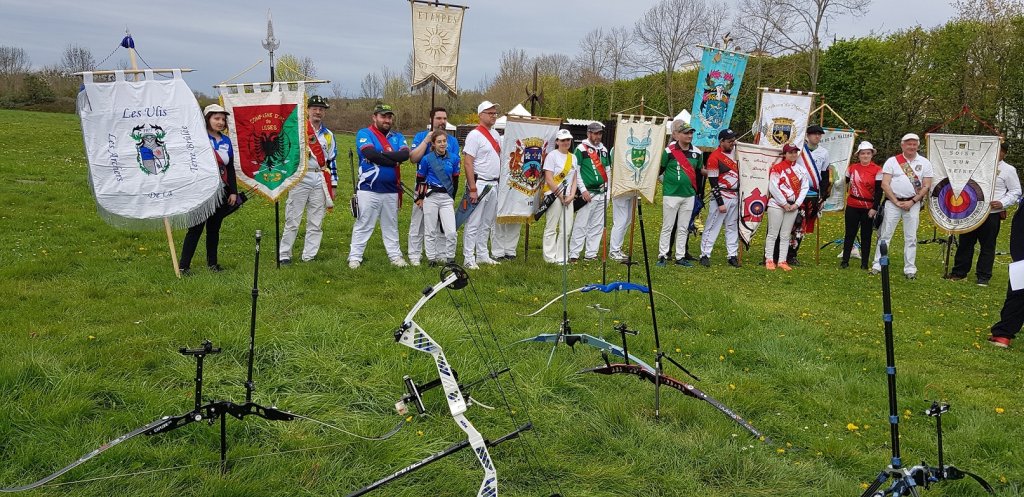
point(1012, 316)
point(588, 226)
point(1007, 192)
point(437, 181)
point(815, 160)
point(787, 188)
point(420, 147)
point(482, 157)
point(381, 153)
point(561, 180)
point(723, 175)
point(906, 181)
point(216, 123)
point(862, 203)
point(680, 166)
point(313, 193)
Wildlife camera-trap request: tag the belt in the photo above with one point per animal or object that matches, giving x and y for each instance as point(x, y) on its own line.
point(486, 179)
point(904, 199)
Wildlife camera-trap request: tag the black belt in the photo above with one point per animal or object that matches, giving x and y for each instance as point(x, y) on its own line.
point(487, 179)
point(904, 199)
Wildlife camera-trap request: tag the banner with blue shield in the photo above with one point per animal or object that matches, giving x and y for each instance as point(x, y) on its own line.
point(718, 89)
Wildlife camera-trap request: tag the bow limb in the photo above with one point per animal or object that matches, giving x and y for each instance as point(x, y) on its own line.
point(682, 386)
point(552, 301)
point(591, 341)
point(146, 429)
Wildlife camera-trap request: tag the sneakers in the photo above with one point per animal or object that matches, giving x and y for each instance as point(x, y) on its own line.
point(661, 262)
point(186, 271)
point(450, 260)
point(785, 266)
point(414, 262)
point(216, 268)
point(684, 262)
point(705, 261)
point(574, 260)
point(911, 276)
point(1001, 342)
point(982, 281)
point(590, 259)
point(285, 262)
point(488, 260)
point(351, 264)
point(769, 265)
point(470, 265)
point(875, 272)
point(399, 262)
point(953, 277)
point(844, 264)
point(733, 261)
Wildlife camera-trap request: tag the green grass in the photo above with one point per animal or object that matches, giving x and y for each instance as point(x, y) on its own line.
point(92, 318)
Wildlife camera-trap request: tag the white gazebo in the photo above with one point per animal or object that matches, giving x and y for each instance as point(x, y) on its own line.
point(683, 115)
point(518, 110)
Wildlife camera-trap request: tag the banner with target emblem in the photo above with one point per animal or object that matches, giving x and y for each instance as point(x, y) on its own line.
point(754, 163)
point(964, 184)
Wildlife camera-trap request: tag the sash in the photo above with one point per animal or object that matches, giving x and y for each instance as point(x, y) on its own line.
point(566, 169)
point(794, 181)
point(812, 168)
point(386, 145)
point(595, 159)
point(487, 134)
point(316, 149)
point(220, 162)
point(684, 164)
point(909, 171)
point(438, 168)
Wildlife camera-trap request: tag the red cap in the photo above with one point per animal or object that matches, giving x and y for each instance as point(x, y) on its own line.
point(789, 147)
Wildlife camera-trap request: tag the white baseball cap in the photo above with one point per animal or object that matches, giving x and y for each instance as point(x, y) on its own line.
point(563, 134)
point(214, 108)
point(486, 104)
point(866, 145)
point(910, 136)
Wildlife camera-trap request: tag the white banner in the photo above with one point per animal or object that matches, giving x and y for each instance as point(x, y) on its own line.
point(839, 143)
point(436, 36)
point(639, 143)
point(149, 155)
point(964, 182)
point(755, 161)
point(782, 118)
point(526, 142)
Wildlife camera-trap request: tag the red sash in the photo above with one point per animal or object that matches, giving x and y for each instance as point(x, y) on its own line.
point(812, 168)
point(595, 159)
point(318, 153)
point(684, 163)
point(721, 158)
point(386, 145)
point(794, 179)
point(487, 134)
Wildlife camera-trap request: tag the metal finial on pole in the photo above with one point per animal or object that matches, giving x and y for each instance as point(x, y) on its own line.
point(270, 44)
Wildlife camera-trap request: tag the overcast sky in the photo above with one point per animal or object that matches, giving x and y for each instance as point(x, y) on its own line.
point(346, 39)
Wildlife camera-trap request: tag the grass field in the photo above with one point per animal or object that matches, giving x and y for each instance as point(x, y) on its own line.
point(92, 319)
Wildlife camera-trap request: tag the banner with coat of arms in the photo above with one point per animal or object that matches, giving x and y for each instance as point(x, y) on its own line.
point(839, 143)
point(965, 179)
point(436, 37)
point(149, 156)
point(755, 161)
point(782, 117)
point(636, 157)
point(526, 142)
point(718, 89)
point(268, 131)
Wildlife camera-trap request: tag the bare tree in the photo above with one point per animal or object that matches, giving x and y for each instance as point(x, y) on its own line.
point(13, 60)
point(76, 58)
point(371, 86)
point(557, 65)
point(618, 45)
point(989, 11)
point(758, 33)
point(667, 35)
point(292, 68)
point(514, 73)
point(591, 60)
point(803, 25)
point(336, 91)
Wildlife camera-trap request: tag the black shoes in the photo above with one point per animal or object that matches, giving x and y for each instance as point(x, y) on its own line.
point(982, 281)
point(661, 262)
point(285, 262)
point(733, 261)
point(705, 261)
point(844, 264)
point(216, 268)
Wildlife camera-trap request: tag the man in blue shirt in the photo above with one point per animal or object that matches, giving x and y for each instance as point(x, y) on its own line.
point(420, 147)
point(381, 153)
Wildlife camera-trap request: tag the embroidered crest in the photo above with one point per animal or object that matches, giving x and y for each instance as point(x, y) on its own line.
point(637, 156)
point(781, 131)
point(714, 106)
point(526, 162)
point(152, 152)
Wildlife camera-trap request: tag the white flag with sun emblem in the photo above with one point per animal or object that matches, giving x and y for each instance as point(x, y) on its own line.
point(436, 35)
point(150, 158)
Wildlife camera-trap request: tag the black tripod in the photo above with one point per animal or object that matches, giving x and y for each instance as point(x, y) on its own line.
point(905, 481)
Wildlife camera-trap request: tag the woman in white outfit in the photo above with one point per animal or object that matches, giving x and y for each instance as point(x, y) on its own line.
point(787, 188)
point(561, 180)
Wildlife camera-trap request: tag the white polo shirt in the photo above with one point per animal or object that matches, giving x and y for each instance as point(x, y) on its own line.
point(901, 184)
point(486, 162)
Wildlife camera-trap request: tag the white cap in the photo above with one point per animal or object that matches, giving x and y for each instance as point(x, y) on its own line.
point(563, 134)
point(866, 145)
point(214, 108)
point(910, 136)
point(486, 104)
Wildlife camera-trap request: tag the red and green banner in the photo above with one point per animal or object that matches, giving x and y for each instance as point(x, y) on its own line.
point(268, 132)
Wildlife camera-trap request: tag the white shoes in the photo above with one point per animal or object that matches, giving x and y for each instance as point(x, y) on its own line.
point(414, 262)
point(470, 265)
point(353, 264)
point(488, 260)
point(617, 256)
point(399, 262)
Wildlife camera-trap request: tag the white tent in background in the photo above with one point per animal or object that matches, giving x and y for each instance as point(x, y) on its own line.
point(684, 116)
point(518, 110)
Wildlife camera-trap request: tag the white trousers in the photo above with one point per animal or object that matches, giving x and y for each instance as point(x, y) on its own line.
point(505, 239)
point(480, 225)
point(911, 219)
point(439, 206)
point(676, 212)
point(417, 229)
point(622, 216)
point(307, 195)
point(714, 225)
point(557, 229)
point(780, 227)
point(374, 206)
point(588, 227)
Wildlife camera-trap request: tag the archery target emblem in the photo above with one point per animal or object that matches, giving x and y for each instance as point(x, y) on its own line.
point(960, 206)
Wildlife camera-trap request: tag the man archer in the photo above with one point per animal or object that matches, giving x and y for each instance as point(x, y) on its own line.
point(723, 175)
point(594, 161)
point(680, 167)
point(313, 194)
point(814, 158)
point(482, 160)
point(906, 181)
